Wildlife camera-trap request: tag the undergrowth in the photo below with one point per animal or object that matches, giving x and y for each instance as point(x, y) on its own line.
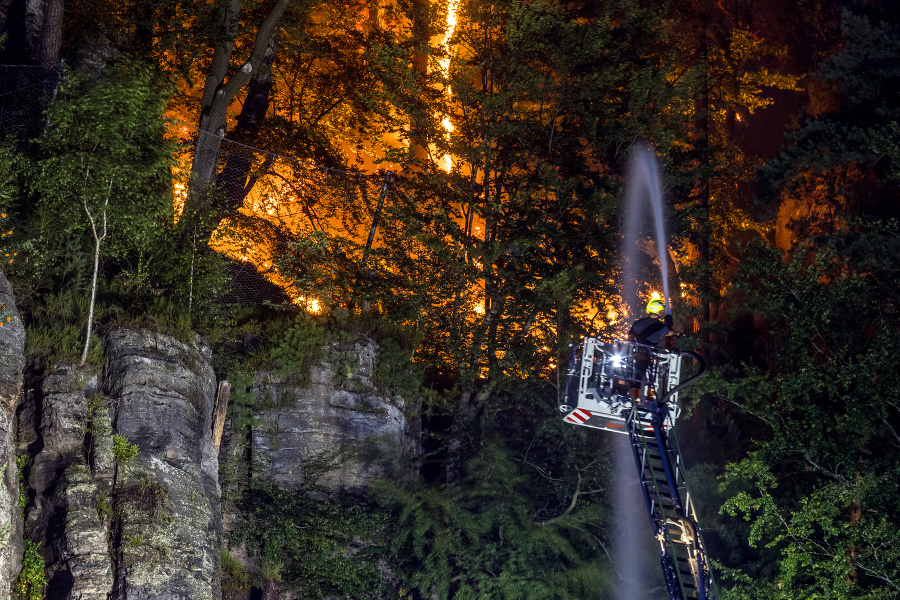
point(57, 327)
point(32, 579)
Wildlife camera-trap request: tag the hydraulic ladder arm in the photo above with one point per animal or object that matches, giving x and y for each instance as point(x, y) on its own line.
point(673, 519)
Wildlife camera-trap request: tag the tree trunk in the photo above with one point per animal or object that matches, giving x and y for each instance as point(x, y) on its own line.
point(388, 177)
point(270, 590)
point(98, 239)
point(51, 33)
point(420, 63)
point(218, 94)
point(240, 161)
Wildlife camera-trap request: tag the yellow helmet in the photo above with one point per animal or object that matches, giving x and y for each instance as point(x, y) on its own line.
point(655, 306)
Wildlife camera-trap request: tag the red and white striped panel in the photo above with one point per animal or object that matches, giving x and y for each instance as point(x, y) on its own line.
point(578, 416)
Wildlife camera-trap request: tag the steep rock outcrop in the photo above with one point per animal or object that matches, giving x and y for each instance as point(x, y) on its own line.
point(53, 423)
point(145, 529)
point(168, 526)
point(12, 363)
point(341, 418)
point(343, 423)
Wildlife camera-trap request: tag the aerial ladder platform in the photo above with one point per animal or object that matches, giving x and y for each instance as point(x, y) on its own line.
point(632, 389)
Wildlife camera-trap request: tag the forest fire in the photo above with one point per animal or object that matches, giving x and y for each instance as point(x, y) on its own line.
point(393, 222)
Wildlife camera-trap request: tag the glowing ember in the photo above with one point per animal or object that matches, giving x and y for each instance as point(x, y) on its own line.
point(179, 196)
point(310, 304)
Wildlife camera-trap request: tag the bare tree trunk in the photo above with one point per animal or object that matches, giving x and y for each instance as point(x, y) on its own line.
point(51, 33)
point(388, 177)
point(98, 239)
point(270, 590)
point(218, 95)
point(240, 163)
point(420, 63)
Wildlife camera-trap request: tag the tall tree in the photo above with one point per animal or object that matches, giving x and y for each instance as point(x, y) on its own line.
point(824, 477)
point(823, 480)
point(51, 33)
point(221, 87)
point(517, 240)
point(104, 167)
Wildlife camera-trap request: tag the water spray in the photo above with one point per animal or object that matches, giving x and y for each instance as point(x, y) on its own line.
point(631, 387)
point(643, 187)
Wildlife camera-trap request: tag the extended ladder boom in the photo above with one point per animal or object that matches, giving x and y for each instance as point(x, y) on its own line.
point(673, 519)
point(624, 387)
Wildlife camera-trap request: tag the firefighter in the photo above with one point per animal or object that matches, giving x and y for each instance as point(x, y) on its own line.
point(647, 331)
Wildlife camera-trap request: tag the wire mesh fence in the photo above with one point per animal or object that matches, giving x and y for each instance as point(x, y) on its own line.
point(293, 225)
point(284, 213)
point(25, 91)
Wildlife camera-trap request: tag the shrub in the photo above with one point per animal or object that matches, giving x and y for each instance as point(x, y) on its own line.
point(32, 580)
point(123, 450)
point(300, 347)
point(234, 575)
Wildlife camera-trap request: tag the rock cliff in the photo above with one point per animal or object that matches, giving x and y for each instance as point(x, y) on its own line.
point(144, 529)
point(112, 526)
point(341, 427)
point(12, 364)
point(349, 421)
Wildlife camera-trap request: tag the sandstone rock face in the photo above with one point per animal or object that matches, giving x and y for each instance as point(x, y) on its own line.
point(365, 433)
point(12, 363)
point(52, 428)
point(146, 529)
point(151, 528)
point(344, 418)
point(168, 525)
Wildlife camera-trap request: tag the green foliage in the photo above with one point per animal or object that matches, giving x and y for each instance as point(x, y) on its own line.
point(341, 356)
point(146, 496)
point(10, 175)
point(105, 143)
point(104, 509)
point(32, 579)
point(234, 575)
point(97, 416)
point(20, 468)
point(298, 349)
point(820, 489)
point(9, 186)
point(395, 373)
point(106, 156)
point(822, 552)
point(519, 228)
point(241, 402)
point(156, 313)
point(316, 547)
point(123, 450)
point(479, 538)
point(56, 329)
